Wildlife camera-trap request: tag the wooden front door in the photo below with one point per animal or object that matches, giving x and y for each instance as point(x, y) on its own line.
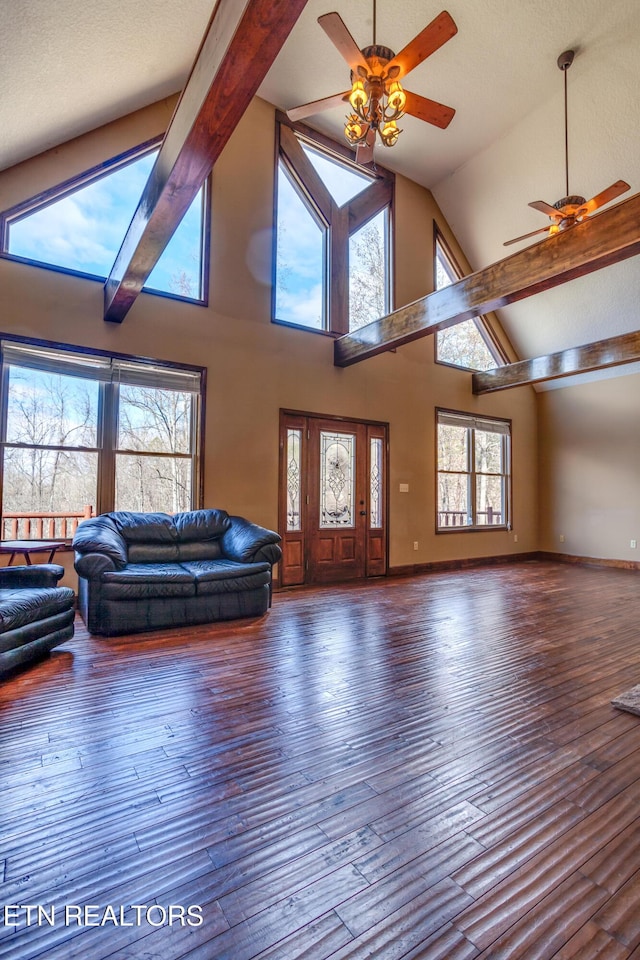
point(333, 499)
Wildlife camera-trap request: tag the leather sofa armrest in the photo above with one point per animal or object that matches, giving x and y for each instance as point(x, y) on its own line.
point(92, 565)
point(247, 542)
point(38, 575)
point(99, 535)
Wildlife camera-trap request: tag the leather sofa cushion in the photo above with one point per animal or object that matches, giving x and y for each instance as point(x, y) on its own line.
point(222, 569)
point(174, 552)
point(141, 581)
point(201, 525)
point(25, 605)
point(227, 576)
point(144, 527)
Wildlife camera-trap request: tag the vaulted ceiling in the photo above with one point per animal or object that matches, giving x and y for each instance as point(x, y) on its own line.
point(71, 66)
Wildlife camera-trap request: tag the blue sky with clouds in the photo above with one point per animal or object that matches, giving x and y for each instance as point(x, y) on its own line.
point(83, 231)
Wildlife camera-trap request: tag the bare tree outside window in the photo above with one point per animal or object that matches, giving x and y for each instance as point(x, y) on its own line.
point(154, 421)
point(368, 283)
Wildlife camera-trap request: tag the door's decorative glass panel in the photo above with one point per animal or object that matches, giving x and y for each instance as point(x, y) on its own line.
point(293, 479)
point(375, 483)
point(337, 479)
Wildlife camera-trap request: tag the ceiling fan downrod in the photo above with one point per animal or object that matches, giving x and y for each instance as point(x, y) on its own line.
point(564, 62)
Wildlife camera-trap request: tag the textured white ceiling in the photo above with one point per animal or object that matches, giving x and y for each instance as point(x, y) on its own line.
point(73, 65)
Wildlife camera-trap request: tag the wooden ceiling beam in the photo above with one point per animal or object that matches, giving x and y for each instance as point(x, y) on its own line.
point(601, 240)
point(241, 42)
point(612, 352)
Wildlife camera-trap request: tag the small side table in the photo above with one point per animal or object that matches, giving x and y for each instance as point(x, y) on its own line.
point(27, 547)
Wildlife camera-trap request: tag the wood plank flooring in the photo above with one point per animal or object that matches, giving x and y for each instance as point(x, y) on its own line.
point(411, 769)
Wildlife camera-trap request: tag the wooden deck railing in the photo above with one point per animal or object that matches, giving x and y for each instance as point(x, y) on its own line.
point(42, 526)
point(458, 518)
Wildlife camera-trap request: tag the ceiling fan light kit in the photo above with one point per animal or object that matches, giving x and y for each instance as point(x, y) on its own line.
point(571, 209)
point(377, 98)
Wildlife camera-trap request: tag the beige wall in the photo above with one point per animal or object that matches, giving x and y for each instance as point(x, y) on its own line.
point(256, 367)
point(590, 468)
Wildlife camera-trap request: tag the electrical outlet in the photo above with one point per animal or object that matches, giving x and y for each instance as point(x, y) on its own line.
point(515, 538)
point(633, 544)
point(415, 544)
point(562, 538)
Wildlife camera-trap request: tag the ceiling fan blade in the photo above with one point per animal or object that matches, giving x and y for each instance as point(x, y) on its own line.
point(434, 35)
point(429, 110)
point(334, 27)
point(525, 236)
point(317, 106)
point(605, 196)
point(364, 151)
point(545, 207)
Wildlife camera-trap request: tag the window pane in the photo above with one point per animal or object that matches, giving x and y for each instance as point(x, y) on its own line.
point(464, 346)
point(337, 479)
point(293, 480)
point(453, 447)
point(454, 508)
point(154, 420)
point(50, 484)
point(488, 452)
point(375, 483)
point(83, 231)
point(47, 408)
point(490, 500)
point(300, 244)
point(368, 279)
point(155, 484)
point(342, 182)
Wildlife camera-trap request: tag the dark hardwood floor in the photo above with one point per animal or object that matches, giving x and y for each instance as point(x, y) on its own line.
point(425, 768)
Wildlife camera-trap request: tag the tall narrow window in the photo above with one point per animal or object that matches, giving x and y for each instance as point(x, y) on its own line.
point(368, 272)
point(467, 344)
point(473, 472)
point(80, 225)
point(376, 469)
point(85, 433)
point(294, 478)
point(331, 237)
point(300, 257)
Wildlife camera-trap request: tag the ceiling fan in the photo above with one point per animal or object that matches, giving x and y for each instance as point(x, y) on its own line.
point(571, 209)
point(376, 97)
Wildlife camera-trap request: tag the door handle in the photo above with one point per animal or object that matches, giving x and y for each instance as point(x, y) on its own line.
point(363, 513)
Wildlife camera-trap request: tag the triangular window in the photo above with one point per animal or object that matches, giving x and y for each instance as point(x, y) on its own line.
point(80, 225)
point(467, 344)
point(342, 182)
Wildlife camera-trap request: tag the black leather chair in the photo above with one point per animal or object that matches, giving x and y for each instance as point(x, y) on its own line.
point(145, 571)
point(35, 614)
